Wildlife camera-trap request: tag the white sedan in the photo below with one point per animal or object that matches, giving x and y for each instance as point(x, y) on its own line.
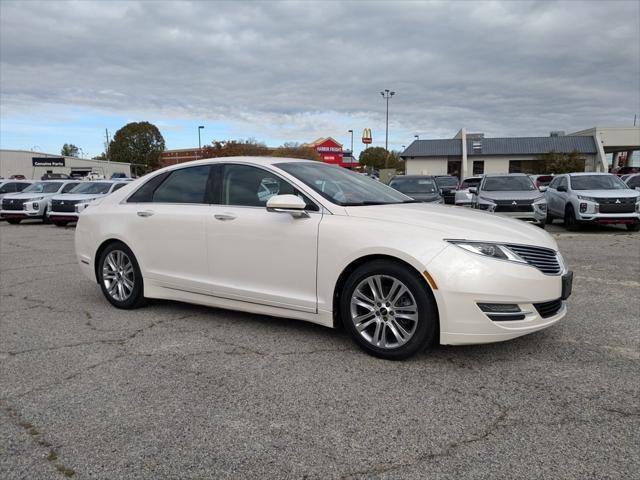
point(397, 274)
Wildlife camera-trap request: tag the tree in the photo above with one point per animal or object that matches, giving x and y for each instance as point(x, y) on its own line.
point(556, 163)
point(138, 143)
point(69, 150)
point(235, 148)
point(375, 157)
point(295, 150)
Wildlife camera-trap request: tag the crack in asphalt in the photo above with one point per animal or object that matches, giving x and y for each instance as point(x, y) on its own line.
point(38, 438)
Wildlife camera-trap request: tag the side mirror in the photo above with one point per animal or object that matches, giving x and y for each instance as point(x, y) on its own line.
point(473, 190)
point(542, 188)
point(291, 204)
point(561, 188)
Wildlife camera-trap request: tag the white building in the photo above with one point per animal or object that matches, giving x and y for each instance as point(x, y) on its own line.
point(472, 153)
point(35, 164)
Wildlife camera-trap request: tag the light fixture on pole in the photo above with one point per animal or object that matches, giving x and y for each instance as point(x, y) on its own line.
point(351, 132)
point(386, 94)
point(199, 142)
point(417, 137)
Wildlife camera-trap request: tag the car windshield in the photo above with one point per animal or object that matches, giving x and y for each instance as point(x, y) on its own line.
point(597, 182)
point(508, 184)
point(414, 185)
point(471, 182)
point(342, 186)
point(92, 188)
point(43, 187)
point(447, 181)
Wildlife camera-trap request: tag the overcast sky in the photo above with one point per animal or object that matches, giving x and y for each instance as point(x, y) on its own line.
point(295, 71)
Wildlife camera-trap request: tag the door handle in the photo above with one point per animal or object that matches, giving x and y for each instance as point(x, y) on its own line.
point(145, 213)
point(224, 216)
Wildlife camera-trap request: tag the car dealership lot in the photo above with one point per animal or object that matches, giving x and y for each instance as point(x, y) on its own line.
point(181, 391)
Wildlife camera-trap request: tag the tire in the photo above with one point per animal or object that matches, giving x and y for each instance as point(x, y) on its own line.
point(633, 227)
point(388, 329)
point(45, 219)
point(570, 222)
point(14, 221)
point(541, 224)
point(118, 265)
point(59, 223)
point(549, 218)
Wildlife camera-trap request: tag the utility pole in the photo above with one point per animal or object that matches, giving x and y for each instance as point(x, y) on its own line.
point(106, 148)
point(199, 142)
point(386, 94)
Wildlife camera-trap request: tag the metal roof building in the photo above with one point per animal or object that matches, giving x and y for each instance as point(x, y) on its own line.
point(472, 153)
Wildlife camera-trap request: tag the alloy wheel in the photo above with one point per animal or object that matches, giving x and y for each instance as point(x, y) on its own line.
point(384, 311)
point(118, 275)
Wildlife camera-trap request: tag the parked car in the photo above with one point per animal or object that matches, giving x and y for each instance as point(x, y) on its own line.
point(633, 181)
point(419, 187)
point(17, 177)
point(511, 195)
point(32, 201)
point(393, 271)
point(66, 208)
point(626, 170)
point(118, 175)
point(541, 180)
point(13, 186)
point(463, 195)
point(603, 198)
point(55, 176)
point(448, 185)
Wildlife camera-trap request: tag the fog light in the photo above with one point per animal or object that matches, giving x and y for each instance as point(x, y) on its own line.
point(502, 312)
point(35, 205)
point(583, 207)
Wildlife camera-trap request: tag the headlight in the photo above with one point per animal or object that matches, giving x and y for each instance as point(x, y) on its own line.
point(588, 199)
point(493, 250)
point(540, 204)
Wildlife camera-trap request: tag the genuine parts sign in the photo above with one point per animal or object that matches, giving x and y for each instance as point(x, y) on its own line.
point(47, 161)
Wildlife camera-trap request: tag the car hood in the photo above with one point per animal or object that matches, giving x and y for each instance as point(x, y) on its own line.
point(513, 195)
point(25, 196)
point(424, 197)
point(448, 222)
point(77, 196)
point(607, 193)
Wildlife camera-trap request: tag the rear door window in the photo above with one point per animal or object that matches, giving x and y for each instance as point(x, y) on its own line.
point(187, 185)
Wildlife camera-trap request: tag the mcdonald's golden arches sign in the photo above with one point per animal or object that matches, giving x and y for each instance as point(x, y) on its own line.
point(366, 136)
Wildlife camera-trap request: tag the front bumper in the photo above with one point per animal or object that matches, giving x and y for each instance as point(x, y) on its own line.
point(609, 218)
point(28, 212)
point(465, 280)
point(533, 216)
point(63, 216)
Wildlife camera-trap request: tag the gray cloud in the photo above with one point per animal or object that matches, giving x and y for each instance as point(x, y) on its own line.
point(298, 70)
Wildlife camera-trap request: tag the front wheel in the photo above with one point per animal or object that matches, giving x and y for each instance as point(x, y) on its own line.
point(120, 278)
point(570, 222)
point(388, 310)
point(633, 227)
point(541, 224)
point(14, 221)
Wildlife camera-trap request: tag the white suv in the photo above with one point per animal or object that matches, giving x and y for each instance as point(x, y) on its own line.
point(590, 197)
point(66, 208)
point(32, 201)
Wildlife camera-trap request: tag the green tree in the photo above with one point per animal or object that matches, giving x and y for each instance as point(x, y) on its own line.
point(375, 157)
point(69, 150)
point(556, 162)
point(138, 143)
point(235, 148)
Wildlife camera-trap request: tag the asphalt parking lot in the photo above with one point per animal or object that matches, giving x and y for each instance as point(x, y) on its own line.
point(180, 391)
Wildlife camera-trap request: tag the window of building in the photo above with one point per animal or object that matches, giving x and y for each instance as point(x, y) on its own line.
point(478, 167)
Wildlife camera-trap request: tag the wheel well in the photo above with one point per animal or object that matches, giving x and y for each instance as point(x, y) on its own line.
point(98, 254)
point(337, 292)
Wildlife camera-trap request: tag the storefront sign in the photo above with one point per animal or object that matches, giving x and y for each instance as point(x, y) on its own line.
point(366, 136)
point(47, 161)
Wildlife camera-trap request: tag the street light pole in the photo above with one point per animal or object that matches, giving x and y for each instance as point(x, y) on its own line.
point(199, 142)
point(386, 94)
point(351, 132)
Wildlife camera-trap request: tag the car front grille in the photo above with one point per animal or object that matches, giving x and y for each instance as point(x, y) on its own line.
point(8, 204)
point(63, 205)
point(548, 309)
point(513, 205)
point(617, 205)
point(544, 259)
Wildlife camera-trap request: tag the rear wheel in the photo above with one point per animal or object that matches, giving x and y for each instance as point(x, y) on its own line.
point(633, 227)
point(570, 222)
point(120, 278)
point(14, 221)
point(388, 310)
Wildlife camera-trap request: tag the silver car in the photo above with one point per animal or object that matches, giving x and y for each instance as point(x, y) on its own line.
point(422, 188)
point(511, 195)
point(590, 197)
point(32, 201)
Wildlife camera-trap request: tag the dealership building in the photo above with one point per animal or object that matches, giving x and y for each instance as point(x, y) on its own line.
point(35, 164)
point(468, 154)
